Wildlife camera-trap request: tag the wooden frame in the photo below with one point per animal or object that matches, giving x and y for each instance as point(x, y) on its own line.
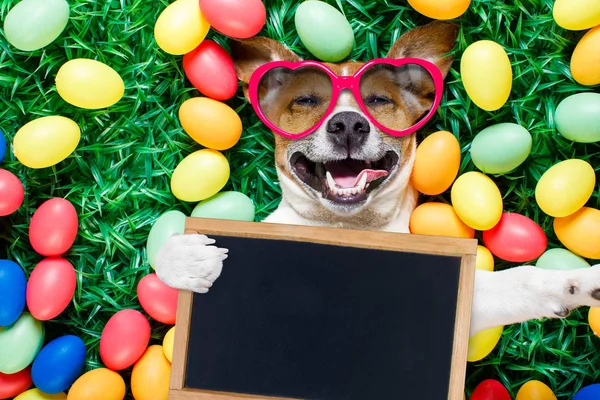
point(446, 246)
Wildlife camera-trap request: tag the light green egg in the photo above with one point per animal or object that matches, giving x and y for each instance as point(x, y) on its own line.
point(226, 205)
point(165, 226)
point(561, 259)
point(20, 343)
point(33, 24)
point(578, 117)
point(324, 30)
point(500, 148)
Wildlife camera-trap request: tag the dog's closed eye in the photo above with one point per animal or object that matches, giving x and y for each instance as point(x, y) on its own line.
point(307, 100)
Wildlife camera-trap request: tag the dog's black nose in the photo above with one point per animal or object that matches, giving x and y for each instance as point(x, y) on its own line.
point(348, 129)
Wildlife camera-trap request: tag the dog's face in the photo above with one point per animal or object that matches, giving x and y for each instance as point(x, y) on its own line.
point(347, 165)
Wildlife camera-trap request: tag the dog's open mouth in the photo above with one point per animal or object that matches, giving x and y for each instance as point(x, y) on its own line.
point(345, 181)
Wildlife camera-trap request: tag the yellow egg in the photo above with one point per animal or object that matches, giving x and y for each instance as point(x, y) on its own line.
point(150, 375)
point(565, 187)
point(181, 27)
point(594, 320)
point(200, 175)
point(447, 9)
point(482, 343)
point(485, 259)
point(89, 84)
point(168, 344)
point(98, 384)
point(438, 219)
point(211, 123)
point(576, 15)
point(36, 394)
point(477, 200)
point(46, 141)
point(436, 163)
point(486, 74)
point(585, 62)
point(580, 232)
point(535, 390)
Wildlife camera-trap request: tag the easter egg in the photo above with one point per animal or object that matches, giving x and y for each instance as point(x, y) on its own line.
point(14, 384)
point(578, 117)
point(324, 30)
point(181, 27)
point(591, 392)
point(484, 260)
point(516, 238)
point(46, 141)
point(58, 364)
point(50, 288)
point(239, 19)
point(594, 320)
point(565, 187)
point(500, 148)
point(158, 299)
point(89, 84)
point(53, 227)
point(20, 343)
point(585, 62)
point(436, 163)
point(2, 147)
point(11, 193)
point(483, 343)
point(490, 389)
point(36, 394)
point(226, 205)
point(150, 375)
point(535, 390)
point(164, 227)
point(576, 15)
point(168, 344)
point(438, 219)
point(486, 74)
point(440, 10)
point(12, 292)
point(560, 259)
point(200, 175)
point(210, 69)
point(477, 200)
point(124, 339)
point(33, 24)
point(580, 232)
point(98, 384)
point(210, 123)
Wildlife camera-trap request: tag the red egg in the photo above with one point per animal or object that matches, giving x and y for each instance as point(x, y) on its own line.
point(516, 238)
point(158, 299)
point(53, 227)
point(490, 389)
point(50, 288)
point(210, 69)
point(11, 193)
point(124, 339)
point(14, 384)
point(235, 18)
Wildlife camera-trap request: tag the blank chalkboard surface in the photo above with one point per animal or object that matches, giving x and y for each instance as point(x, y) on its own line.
point(325, 314)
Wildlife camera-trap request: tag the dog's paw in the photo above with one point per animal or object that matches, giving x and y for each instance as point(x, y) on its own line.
point(582, 288)
point(190, 262)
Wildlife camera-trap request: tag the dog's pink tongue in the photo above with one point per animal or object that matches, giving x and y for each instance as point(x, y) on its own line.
point(346, 178)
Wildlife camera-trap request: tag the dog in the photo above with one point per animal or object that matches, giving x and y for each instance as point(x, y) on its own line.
point(349, 174)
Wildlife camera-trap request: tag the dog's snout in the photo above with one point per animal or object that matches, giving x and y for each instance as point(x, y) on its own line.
point(348, 130)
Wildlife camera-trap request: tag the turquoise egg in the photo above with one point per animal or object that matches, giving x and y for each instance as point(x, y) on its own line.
point(20, 343)
point(500, 148)
point(561, 259)
point(226, 205)
point(578, 117)
point(165, 226)
point(324, 30)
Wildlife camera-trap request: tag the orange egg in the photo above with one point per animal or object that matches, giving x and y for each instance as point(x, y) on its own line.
point(535, 390)
point(150, 375)
point(436, 164)
point(98, 384)
point(594, 320)
point(438, 219)
point(580, 232)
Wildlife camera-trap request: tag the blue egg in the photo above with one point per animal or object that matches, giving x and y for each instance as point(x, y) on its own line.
point(591, 392)
point(58, 364)
point(2, 147)
point(13, 287)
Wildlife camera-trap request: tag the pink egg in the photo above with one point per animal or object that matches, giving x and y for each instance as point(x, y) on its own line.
point(235, 18)
point(11, 193)
point(53, 227)
point(158, 299)
point(124, 339)
point(516, 238)
point(15, 384)
point(50, 288)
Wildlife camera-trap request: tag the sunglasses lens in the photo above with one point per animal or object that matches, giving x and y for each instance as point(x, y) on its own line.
point(294, 100)
point(397, 97)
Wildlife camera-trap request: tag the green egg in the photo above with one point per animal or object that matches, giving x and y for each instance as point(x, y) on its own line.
point(20, 343)
point(500, 148)
point(324, 30)
point(226, 205)
point(165, 226)
point(578, 117)
point(560, 259)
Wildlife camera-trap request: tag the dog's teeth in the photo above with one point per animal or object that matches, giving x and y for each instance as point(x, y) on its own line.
point(330, 181)
point(362, 183)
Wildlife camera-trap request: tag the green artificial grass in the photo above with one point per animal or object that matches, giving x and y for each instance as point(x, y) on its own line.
point(118, 178)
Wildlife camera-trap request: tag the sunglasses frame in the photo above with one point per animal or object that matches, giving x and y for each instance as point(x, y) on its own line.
point(339, 83)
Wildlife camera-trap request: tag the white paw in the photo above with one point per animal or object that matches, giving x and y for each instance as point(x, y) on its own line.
point(189, 262)
point(582, 288)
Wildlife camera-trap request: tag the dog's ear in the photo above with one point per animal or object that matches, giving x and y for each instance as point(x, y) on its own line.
point(431, 42)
